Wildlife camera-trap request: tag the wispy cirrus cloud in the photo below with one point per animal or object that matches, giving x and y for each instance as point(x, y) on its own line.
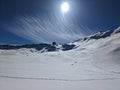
point(46, 29)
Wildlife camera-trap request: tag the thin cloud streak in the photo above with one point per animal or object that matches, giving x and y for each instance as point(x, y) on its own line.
point(46, 30)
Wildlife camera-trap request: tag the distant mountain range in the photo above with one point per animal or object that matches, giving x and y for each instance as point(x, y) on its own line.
point(64, 47)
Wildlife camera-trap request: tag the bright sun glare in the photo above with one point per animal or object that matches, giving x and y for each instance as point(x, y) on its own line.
point(65, 7)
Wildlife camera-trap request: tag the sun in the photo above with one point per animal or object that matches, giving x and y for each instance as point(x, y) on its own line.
point(65, 7)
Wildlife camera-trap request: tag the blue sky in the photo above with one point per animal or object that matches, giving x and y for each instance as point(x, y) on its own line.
point(41, 21)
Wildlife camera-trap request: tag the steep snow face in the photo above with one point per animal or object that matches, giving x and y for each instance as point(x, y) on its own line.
point(117, 30)
point(105, 52)
point(92, 65)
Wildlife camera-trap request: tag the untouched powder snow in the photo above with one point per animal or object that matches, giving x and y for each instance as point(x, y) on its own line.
point(93, 65)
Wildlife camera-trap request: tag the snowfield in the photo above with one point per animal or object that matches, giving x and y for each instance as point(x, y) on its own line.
point(91, 65)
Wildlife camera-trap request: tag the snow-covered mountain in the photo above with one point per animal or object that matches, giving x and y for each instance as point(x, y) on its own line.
point(101, 34)
point(46, 47)
point(92, 63)
point(64, 47)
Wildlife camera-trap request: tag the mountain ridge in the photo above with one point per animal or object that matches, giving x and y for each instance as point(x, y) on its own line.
point(64, 47)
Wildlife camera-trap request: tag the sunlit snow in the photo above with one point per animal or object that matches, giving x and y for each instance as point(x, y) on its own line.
point(93, 65)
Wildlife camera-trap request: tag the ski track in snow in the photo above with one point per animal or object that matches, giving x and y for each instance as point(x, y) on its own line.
point(32, 78)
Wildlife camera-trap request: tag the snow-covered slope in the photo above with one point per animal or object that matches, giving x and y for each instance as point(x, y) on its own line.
point(93, 64)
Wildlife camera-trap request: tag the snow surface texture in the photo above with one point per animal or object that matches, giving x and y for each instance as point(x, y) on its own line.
point(93, 65)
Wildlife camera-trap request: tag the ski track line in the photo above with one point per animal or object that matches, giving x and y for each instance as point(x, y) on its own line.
point(52, 79)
